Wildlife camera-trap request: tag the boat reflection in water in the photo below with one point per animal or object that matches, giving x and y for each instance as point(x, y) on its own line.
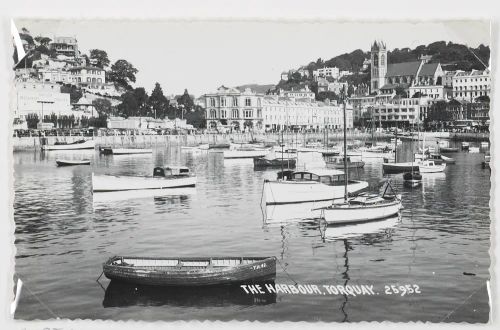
point(290, 213)
point(120, 294)
point(114, 196)
point(331, 233)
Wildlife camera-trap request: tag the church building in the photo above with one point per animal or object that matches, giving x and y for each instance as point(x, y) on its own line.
point(385, 77)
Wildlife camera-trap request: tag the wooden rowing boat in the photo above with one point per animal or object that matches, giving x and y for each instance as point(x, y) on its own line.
point(190, 271)
point(61, 162)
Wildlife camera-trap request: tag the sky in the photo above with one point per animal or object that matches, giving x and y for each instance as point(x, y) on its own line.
point(203, 55)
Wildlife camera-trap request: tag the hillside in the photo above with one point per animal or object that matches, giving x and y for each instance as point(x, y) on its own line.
point(451, 56)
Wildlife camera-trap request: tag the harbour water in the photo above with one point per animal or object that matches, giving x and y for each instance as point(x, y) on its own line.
point(63, 235)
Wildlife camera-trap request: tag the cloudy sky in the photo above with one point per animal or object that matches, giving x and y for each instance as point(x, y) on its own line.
point(202, 55)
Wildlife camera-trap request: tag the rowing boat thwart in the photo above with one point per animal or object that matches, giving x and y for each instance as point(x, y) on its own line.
point(190, 271)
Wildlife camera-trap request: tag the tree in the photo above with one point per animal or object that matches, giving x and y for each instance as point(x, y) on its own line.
point(100, 57)
point(43, 40)
point(74, 92)
point(122, 73)
point(158, 102)
point(32, 120)
point(196, 117)
point(129, 106)
point(103, 107)
point(141, 98)
point(186, 101)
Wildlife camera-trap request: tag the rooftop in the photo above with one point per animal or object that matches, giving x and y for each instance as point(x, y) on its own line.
point(403, 69)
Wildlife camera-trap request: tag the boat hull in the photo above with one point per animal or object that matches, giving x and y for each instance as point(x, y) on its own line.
point(360, 213)
point(289, 192)
point(393, 168)
point(446, 149)
point(432, 169)
point(237, 154)
point(131, 151)
point(273, 163)
point(90, 144)
point(107, 183)
point(72, 162)
point(340, 166)
point(203, 272)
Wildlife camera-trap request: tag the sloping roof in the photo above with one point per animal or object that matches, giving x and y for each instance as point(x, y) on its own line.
point(402, 69)
point(392, 86)
point(428, 69)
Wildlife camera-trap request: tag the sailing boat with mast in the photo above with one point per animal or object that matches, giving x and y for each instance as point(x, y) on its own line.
point(414, 178)
point(364, 207)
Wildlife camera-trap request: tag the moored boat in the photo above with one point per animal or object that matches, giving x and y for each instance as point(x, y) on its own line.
point(67, 162)
point(448, 160)
point(123, 151)
point(473, 150)
point(169, 177)
point(429, 166)
point(77, 145)
point(465, 145)
point(219, 146)
point(264, 162)
point(245, 153)
point(190, 271)
point(363, 208)
point(448, 149)
point(393, 168)
point(309, 186)
point(337, 162)
point(412, 179)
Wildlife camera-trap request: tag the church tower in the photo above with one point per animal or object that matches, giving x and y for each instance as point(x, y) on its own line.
point(379, 66)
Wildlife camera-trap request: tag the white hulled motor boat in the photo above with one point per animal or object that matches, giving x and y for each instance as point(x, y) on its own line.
point(77, 145)
point(309, 186)
point(429, 166)
point(169, 177)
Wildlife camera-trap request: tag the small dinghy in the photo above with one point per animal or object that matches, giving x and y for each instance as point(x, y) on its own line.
point(190, 271)
point(63, 162)
point(169, 177)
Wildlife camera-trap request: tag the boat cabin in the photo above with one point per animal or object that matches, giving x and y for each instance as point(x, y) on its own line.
point(337, 159)
point(325, 176)
point(171, 171)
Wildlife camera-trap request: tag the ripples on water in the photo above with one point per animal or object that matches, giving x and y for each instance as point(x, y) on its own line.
point(63, 236)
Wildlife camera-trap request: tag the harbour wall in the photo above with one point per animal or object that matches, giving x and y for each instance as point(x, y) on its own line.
point(143, 141)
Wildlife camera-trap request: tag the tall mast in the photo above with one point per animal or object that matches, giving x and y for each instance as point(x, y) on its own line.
point(345, 149)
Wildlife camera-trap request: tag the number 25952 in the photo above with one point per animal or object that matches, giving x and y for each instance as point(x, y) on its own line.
point(402, 289)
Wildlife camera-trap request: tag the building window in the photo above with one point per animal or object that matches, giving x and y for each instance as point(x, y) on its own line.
point(247, 113)
point(234, 113)
point(212, 102)
point(235, 101)
point(222, 101)
point(223, 113)
point(213, 114)
point(248, 102)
